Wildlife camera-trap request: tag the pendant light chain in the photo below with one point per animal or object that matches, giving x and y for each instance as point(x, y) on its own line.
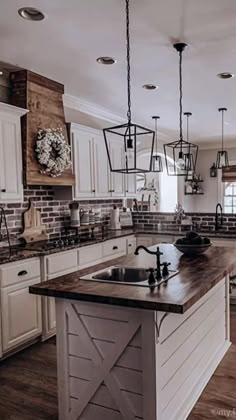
point(187, 127)
point(128, 61)
point(222, 130)
point(156, 133)
point(180, 97)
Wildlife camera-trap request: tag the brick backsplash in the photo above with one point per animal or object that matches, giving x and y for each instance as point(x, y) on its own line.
point(55, 214)
point(203, 221)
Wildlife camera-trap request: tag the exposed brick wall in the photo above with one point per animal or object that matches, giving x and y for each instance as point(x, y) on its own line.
point(54, 213)
point(203, 221)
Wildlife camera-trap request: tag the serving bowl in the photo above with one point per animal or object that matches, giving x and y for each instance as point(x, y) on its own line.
point(192, 250)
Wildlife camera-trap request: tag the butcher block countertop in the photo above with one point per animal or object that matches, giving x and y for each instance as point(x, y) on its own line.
point(195, 278)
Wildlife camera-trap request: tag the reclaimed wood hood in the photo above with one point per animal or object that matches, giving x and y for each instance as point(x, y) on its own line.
point(43, 98)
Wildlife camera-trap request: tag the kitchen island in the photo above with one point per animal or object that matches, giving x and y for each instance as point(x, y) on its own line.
point(126, 352)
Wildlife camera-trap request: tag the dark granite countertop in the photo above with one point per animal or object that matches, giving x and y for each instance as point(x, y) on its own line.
point(17, 256)
point(196, 277)
point(38, 248)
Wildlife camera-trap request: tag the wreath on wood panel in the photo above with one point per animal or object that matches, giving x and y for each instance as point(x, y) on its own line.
point(53, 152)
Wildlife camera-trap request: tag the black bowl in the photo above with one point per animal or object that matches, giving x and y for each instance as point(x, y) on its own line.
point(192, 250)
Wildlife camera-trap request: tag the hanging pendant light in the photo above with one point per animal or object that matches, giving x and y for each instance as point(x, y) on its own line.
point(156, 158)
point(131, 134)
point(179, 153)
point(189, 158)
point(222, 159)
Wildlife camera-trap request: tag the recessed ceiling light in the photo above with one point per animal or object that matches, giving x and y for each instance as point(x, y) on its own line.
point(225, 75)
point(1, 73)
point(150, 86)
point(106, 60)
point(30, 13)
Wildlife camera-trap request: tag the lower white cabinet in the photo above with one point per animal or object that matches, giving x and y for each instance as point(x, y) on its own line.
point(21, 316)
point(131, 245)
point(55, 265)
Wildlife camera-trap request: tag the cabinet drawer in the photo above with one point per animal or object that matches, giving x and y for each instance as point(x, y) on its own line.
point(90, 255)
point(114, 247)
point(12, 273)
point(61, 263)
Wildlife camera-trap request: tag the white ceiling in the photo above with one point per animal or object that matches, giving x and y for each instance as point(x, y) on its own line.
point(65, 47)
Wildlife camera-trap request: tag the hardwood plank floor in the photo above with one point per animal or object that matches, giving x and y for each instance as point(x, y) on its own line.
point(28, 385)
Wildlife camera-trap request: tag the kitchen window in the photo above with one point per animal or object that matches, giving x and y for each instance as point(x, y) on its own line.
point(229, 197)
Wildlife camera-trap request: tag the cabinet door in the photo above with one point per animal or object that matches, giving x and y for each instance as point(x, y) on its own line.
point(145, 240)
point(131, 245)
point(117, 179)
point(21, 314)
point(102, 172)
point(130, 185)
point(83, 165)
point(10, 160)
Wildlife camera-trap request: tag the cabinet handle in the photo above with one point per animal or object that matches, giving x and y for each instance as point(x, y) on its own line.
point(127, 191)
point(3, 190)
point(22, 273)
point(115, 247)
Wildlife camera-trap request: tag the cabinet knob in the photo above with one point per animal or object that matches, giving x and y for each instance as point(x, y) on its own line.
point(130, 244)
point(22, 273)
point(115, 247)
point(3, 190)
point(94, 191)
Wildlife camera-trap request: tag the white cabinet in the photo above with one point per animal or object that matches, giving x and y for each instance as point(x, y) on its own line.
point(11, 182)
point(131, 245)
point(101, 170)
point(53, 266)
point(90, 255)
point(130, 185)
point(83, 165)
point(117, 179)
point(21, 317)
point(93, 178)
point(114, 248)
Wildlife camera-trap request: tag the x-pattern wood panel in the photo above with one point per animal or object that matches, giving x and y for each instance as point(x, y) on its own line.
point(103, 367)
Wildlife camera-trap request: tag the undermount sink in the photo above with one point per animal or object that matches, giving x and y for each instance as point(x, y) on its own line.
point(126, 275)
point(123, 274)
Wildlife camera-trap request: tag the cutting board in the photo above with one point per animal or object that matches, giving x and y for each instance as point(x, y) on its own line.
point(34, 230)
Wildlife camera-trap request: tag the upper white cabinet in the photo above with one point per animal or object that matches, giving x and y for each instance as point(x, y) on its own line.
point(83, 165)
point(116, 178)
point(93, 178)
point(11, 182)
point(130, 185)
point(101, 170)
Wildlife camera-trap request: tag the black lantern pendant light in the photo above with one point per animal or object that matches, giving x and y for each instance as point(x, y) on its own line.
point(222, 159)
point(156, 159)
point(131, 134)
point(178, 154)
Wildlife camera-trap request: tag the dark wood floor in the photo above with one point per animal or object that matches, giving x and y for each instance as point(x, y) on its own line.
point(28, 385)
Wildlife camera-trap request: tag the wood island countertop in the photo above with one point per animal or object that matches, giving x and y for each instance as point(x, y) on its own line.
point(195, 278)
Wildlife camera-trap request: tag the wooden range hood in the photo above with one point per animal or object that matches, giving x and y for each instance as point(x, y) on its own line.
point(43, 98)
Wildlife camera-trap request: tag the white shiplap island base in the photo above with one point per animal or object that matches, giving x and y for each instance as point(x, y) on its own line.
point(120, 363)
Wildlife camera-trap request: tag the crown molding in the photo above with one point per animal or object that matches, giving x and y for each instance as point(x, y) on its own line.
point(81, 105)
point(11, 109)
